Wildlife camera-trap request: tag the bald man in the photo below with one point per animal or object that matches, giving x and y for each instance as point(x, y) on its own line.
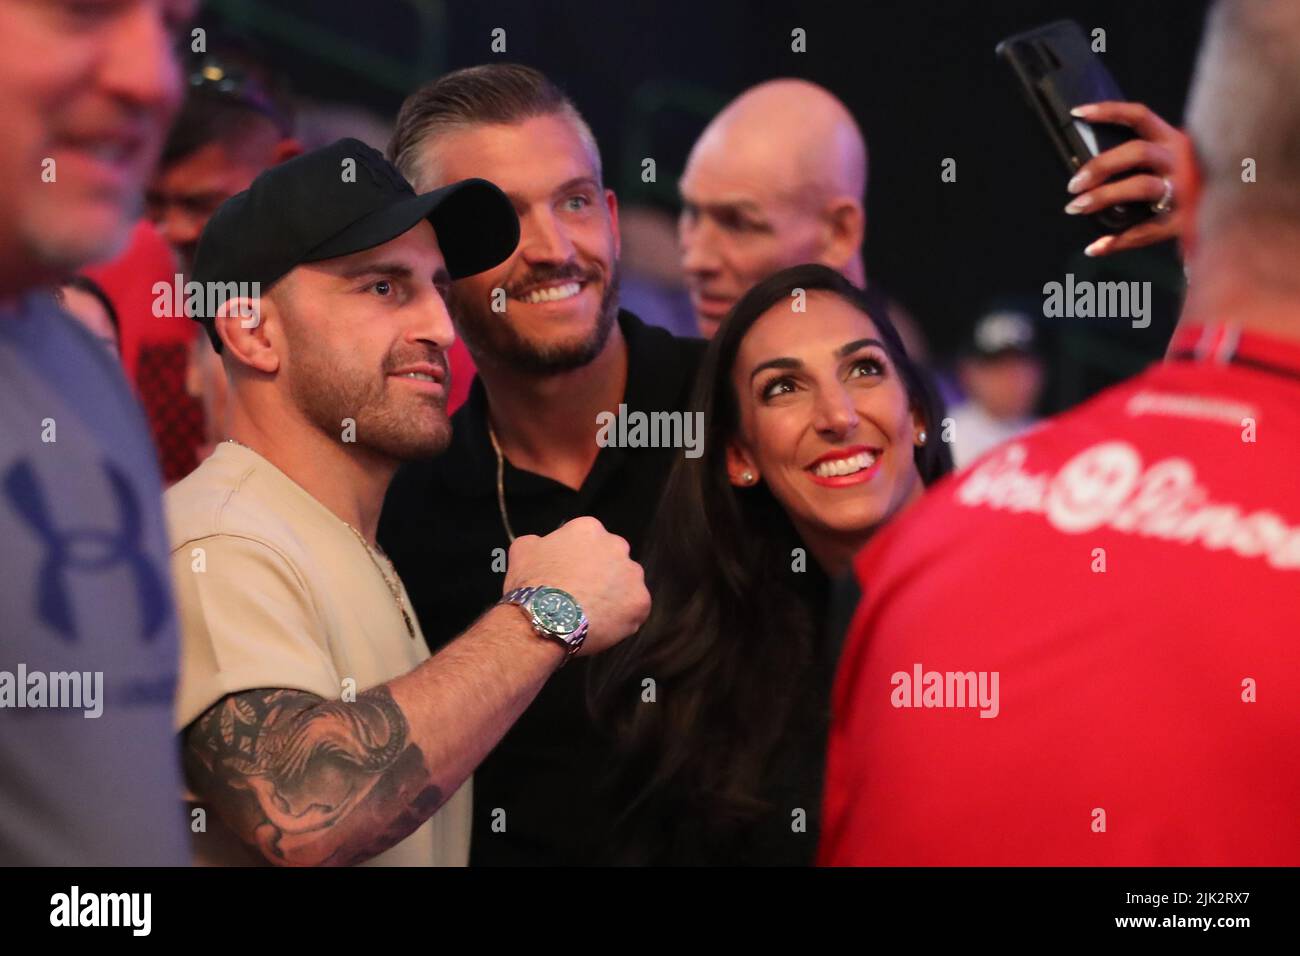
point(754, 202)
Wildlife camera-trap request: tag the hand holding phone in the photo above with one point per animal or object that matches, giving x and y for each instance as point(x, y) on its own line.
point(1160, 159)
point(1059, 73)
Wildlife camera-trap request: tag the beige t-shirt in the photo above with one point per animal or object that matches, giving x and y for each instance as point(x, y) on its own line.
point(274, 590)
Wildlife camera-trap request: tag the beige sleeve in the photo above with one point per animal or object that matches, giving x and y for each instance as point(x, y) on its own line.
point(247, 621)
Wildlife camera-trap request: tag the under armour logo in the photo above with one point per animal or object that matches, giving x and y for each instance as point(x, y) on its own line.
point(86, 550)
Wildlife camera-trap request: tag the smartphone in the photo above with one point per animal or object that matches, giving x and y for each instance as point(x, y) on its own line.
point(1058, 71)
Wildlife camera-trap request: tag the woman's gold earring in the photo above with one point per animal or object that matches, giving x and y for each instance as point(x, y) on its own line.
point(747, 477)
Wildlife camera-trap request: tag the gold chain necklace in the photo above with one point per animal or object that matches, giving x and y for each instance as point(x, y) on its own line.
point(394, 585)
point(392, 582)
point(501, 482)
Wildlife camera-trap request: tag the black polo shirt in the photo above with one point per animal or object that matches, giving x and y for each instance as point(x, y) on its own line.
point(441, 524)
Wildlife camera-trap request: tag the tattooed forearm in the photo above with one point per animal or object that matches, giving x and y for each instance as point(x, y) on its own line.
point(308, 781)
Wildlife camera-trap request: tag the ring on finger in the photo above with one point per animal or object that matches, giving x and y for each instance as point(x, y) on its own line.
point(1166, 201)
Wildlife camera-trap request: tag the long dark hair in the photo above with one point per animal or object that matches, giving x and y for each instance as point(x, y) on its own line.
point(733, 635)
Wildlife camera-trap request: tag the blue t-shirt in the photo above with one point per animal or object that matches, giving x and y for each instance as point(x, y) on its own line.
point(87, 618)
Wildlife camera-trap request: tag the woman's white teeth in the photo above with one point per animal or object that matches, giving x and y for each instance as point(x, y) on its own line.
point(845, 466)
point(420, 376)
point(552, 293)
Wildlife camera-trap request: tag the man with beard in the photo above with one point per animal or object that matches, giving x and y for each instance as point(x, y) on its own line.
point(317, 729)
point(553, 352)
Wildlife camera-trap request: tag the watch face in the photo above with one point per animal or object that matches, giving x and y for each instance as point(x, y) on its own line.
point(556, 611)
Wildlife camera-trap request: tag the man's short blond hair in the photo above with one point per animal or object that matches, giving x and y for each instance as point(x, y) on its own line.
point(497, 93)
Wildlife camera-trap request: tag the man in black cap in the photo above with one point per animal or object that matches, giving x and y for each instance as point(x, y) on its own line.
point(315, 723)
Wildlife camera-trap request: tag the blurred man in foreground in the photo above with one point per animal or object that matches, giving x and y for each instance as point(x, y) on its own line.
point(89, 775)
point(1083, 651)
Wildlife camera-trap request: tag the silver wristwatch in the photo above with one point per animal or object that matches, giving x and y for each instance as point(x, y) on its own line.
point(553, 613)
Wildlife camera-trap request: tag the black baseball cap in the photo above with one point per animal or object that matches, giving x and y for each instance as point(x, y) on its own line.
point(319, 206)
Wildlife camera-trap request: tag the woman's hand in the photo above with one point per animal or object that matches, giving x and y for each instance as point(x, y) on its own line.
point(1160, 160)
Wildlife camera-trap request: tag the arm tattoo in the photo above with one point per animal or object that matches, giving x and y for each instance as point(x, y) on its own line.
point(310, 781)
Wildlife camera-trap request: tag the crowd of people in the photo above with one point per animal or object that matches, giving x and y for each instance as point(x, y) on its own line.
point(403, 603)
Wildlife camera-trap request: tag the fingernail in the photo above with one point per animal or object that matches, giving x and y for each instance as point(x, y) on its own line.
point(1083, 112)
point(1077, 206)
point(1100, 246)
point(1079, 182)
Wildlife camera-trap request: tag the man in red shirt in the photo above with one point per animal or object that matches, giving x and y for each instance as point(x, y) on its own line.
point(1085, 650)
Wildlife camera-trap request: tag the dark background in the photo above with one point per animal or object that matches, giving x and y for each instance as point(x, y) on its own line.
point(920, 76)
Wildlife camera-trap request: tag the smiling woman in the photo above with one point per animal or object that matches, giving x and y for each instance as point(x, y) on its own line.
point(816, 434)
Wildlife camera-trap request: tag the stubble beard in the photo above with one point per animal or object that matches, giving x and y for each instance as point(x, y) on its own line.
point(61, 245)
point(329, 394)
point(487, 336)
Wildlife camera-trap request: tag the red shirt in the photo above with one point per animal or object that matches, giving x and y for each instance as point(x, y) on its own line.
point(155, 349)
point(129, 281)
point(1123, 587)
